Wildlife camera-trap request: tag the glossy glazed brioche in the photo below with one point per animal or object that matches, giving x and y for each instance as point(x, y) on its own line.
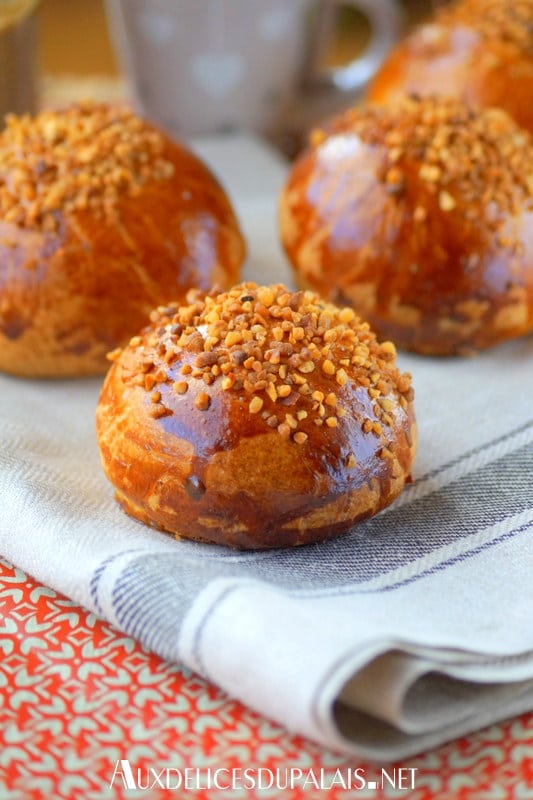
point(256, 418)
point(421, 217)
point(102, 218)
point(480, 51)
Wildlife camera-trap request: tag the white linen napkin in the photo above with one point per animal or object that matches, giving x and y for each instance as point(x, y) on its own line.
point(413, 629)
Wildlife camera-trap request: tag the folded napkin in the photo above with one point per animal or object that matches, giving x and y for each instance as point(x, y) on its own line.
point(413, 629)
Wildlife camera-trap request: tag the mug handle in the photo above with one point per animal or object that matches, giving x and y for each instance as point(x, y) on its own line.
point(386, 20)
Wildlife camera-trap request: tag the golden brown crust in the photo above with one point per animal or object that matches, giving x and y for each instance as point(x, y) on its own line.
point(256, 418)
point(99, 224)
point(420, 217)
point(480, 51)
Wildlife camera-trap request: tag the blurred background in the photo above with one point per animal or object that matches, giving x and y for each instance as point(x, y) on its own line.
point(75, 38)
point(61, 51)
point(76, 54)
point(76, 58)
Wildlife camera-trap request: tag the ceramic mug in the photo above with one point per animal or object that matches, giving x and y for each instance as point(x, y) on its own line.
point(205, 66)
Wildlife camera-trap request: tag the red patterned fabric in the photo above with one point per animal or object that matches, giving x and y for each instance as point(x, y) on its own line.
point(76, 696)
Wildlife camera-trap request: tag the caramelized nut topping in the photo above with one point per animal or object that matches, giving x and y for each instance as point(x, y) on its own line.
point(462, 155)
point(87, 156)
point(114, 355)
point(203, 401)
point(255, 405)
point(232, 338)
point(494, 19)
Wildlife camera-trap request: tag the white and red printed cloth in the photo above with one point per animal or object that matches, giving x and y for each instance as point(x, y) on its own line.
point(413, 629)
